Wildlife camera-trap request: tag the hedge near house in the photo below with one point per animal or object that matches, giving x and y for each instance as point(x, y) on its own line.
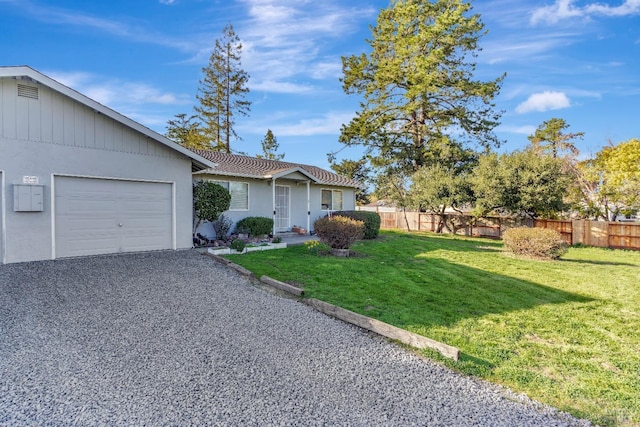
point(371, 221)
point(255, 225)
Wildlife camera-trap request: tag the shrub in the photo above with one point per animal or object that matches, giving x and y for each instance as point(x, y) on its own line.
point(210, 200)
point(238, 245)
point(339, 232)
point(534, 242)
point(255, 225)
point(221, 226)
point(371, 221)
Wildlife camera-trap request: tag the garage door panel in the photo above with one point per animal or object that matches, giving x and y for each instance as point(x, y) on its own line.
point(97, 216)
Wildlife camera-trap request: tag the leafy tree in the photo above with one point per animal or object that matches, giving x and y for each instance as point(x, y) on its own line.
point(584, 196)
point(550, 138)
point(186, 131)
point(520, 183)
point(418, 86)
point(270, 147)
point(209, 201)
point(357, 170)
point(435, 188)
point(222, 91)
point(616, 170)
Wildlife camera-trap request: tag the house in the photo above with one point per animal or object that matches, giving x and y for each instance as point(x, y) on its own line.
point(292, 194)
point(77, 178)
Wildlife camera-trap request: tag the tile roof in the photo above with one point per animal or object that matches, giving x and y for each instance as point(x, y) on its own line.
point(251, 167)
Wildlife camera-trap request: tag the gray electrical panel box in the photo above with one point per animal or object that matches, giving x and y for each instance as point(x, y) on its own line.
point(28, 198)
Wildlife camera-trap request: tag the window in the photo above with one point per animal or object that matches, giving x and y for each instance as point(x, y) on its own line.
point(239, 194)
point(331, 200)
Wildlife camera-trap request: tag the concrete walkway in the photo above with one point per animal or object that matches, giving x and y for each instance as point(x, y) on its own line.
point(295, 238)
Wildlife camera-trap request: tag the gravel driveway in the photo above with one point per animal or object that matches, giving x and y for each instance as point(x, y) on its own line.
point(174, 338)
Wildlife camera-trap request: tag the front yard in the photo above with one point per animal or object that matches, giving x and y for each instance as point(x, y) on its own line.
point(563, 332)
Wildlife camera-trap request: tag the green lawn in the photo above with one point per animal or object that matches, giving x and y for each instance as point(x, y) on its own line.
point(566, 332)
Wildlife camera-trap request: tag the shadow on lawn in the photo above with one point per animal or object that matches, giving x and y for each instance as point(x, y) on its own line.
point(443, 293)
point(612, 263)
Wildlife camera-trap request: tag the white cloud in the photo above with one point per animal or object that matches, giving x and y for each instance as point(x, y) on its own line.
point(327, 124)
point(116, 93)
point(168, 2)
point(544, 101)
point(285, 43)
point(70, 18)
point(280, 87)
point(628, 7)
point(564, 9)
point(524, 47)
point(520, 130)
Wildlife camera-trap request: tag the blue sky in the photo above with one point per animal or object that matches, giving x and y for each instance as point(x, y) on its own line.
point(576, 60)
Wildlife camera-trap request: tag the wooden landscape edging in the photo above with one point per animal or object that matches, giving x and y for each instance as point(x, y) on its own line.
point(230, 264)
point(282, 286)
point(373, 325)
point(384, 329)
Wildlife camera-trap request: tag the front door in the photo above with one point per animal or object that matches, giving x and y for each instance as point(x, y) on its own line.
point(283, 213)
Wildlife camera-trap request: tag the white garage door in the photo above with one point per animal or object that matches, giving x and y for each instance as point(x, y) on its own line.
point(102, 216)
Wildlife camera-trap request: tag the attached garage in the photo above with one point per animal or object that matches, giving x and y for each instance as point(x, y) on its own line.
point(100, 216)
point(81, 179)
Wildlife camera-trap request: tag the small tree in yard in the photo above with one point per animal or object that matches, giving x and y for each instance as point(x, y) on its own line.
point(209, 201)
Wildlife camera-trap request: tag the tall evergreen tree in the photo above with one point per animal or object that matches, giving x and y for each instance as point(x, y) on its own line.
point(186, 131)
point(551, 138)
point(418, 86)
point(222, 92)
point(357, 170)
point(270, 147)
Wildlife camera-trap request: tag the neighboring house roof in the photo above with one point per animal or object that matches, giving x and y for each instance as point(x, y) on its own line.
point(251, 167)
point(28, 74)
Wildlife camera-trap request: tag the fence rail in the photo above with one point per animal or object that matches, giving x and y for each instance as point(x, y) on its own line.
point(591, 233)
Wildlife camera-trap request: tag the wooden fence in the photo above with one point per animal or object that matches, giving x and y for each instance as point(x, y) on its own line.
point(617, 235)
point(591, 233)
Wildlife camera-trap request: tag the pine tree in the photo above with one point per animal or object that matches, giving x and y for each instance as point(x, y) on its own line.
point(186, 132)
point(270, 147)
point(222, 92)
point(418, 87)
point(550, 138)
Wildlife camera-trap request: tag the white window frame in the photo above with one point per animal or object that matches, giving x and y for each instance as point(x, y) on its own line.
point(227, 186)
point(332, 207)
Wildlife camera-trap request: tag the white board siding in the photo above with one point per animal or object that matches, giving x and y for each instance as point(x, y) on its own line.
point(57, 119)
point(102, 216)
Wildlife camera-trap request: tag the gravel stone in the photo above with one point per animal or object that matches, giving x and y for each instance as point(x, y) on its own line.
point(174, 338)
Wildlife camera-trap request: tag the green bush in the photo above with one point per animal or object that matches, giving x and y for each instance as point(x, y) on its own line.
point(339, 232)
point(371, 221)
point(534, 242)
point(255, 225)
point(238, 245)
point(210, 200)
